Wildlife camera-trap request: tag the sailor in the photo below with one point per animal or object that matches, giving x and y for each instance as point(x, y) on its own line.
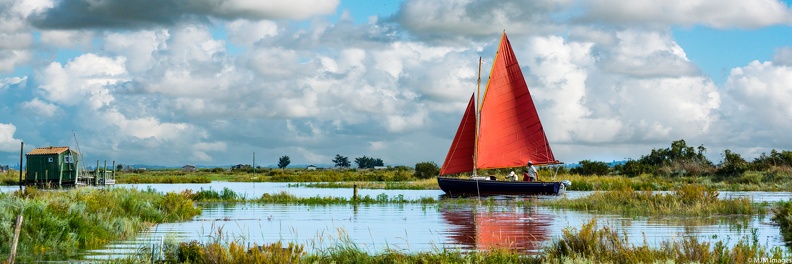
point(531, 174)
point(512, 176)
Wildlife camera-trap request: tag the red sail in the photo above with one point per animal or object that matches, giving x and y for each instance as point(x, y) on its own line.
point(460, 155)
point(510, 131)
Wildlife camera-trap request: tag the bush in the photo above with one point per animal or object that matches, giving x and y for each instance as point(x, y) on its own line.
point(733, 164)
point(588, 167)
point(426, 170)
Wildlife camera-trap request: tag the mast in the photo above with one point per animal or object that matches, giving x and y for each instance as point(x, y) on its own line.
point(478, 117)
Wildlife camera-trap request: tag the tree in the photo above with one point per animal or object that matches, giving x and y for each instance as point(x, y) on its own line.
point(341, 161)
point(426, 170)
point(119, 167)
point(588, 167)
point(283, 162)
point(368, 162)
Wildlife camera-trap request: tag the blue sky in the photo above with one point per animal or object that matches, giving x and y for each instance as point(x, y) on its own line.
point(147, 82)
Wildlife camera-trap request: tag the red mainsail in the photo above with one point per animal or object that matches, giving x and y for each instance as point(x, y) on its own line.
point(510, 132)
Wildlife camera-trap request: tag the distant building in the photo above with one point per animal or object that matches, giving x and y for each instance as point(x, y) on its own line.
point(310, 167)
point(241, 167)
point(188, 168)
point(380, 167)
point(4, 169)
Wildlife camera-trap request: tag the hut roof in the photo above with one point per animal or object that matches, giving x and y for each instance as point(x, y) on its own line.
point(48, 150)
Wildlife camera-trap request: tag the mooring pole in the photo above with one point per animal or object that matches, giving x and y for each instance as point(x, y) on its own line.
point(354, 192)
point(15, 240)
point(21, 151)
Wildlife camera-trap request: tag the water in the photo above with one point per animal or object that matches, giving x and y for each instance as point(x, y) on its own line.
point(413, 227)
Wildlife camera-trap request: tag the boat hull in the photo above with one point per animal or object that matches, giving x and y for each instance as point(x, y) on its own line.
point(466, 187)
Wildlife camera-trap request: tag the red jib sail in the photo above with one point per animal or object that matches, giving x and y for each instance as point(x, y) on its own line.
point(460, 155)
point(510, 132)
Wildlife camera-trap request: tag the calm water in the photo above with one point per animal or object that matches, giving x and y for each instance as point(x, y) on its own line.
point(421, 228)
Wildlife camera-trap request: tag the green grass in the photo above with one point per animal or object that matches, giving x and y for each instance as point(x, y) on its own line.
point(424, 184)
point(285, 198)
point(59, 223)
point(607, 246)
point(782, 215)
point(690, 200)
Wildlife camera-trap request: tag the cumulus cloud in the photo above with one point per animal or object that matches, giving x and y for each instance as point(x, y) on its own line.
point(139, 14)
point(12, 82)
point(84, 78)
point(7, 141)
point(582, 99)
point(717, 14)
point(783, 56)
point(40, 108)
point(757, 105)
point(430, 18)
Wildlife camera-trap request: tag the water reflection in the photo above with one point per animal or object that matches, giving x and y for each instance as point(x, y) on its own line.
point(523, 229)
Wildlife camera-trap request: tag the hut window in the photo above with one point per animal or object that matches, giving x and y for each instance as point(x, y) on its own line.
point(67, 159)
point(50, 159)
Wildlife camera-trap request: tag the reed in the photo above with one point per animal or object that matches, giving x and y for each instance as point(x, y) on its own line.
point(286, 198)
point(59, 223)
point(423, 184)
point(133, 178)
point(782, 216)
point(605, 245)
point(690, 200)
point(226, 195)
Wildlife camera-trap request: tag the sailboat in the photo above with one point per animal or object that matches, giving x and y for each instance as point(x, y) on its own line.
point(500, 129)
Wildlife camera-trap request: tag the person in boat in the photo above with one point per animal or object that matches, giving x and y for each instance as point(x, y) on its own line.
point(512, 176)
point(530, 173)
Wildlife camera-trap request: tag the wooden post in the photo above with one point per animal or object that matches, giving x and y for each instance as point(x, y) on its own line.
point(21, 151)
point(354, 192)
point(60, 174)
point(104, 172)
point(15, 240)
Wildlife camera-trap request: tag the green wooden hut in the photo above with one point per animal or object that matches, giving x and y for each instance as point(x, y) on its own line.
point(52, 165)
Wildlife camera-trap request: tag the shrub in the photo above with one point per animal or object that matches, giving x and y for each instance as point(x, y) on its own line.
point(588, 167)
point(426, 170)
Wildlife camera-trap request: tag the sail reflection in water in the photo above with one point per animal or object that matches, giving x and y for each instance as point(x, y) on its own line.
point(522, 229)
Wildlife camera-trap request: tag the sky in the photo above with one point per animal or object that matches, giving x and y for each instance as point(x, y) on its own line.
point(211, 82)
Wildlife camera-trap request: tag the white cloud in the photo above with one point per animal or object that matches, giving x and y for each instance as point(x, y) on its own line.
point(582, 100)
point(247, 33)
point(137, 47)
point(759, 97)
point(7, 141)
point(12, 81)
point(295, 9)
point(717, 14)
point(477, 18)
point(67, 38)
point(82, 79)
point(41, 108)
point(783, 56)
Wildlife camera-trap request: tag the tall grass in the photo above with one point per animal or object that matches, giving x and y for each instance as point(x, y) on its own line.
point(59, 223)
point(286, 198)
point(605, 245)
point(690, 200)
point(782, 215)
point(422, 184)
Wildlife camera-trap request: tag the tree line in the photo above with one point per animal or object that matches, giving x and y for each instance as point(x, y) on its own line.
point(683, 160)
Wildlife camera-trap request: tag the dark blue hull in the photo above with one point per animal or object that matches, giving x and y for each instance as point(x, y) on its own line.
point(464, 187)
